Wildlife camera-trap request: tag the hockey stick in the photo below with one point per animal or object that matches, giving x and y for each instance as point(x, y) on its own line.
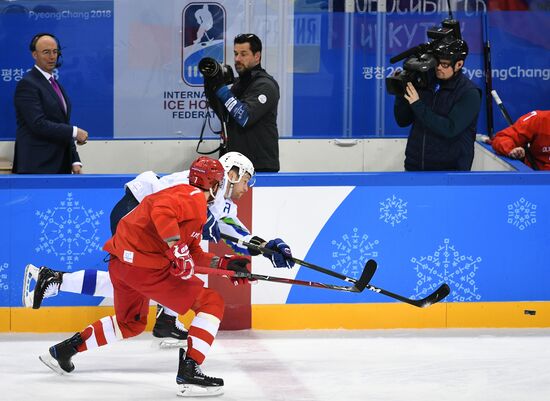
point(501, 107)
point(488, 77)
point(508, 119)
point(320, 269)
point(359, 286)
point(431, 299)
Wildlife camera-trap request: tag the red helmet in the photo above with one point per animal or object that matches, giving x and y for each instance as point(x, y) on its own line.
point(205, 173)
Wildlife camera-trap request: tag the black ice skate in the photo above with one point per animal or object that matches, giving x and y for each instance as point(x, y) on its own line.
point(47, 285)
point(59, 356)
point(193, 383)
point(169, 330)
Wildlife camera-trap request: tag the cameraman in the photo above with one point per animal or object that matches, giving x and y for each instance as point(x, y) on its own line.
point(250, 106)
point(443, 116)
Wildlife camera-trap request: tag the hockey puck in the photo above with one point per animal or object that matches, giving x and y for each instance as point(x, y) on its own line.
point(530, 312)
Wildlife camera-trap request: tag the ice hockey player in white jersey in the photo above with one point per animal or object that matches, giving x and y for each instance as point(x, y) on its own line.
point(222, 218)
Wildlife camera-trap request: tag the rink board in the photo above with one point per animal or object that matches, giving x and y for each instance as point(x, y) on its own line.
point(484, 234)
point(303, 317)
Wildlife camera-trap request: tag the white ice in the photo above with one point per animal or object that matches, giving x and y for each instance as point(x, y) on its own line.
point(401, 365)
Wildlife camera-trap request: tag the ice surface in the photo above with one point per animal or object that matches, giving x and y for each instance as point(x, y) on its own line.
point(401, 365)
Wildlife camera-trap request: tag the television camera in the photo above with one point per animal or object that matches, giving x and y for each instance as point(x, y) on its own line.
point(419, 68)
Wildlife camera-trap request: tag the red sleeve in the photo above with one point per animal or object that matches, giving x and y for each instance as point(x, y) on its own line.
point(172, 206)
point(518, 135)
point(185, 204)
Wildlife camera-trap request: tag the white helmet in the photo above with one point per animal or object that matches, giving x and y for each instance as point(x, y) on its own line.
point(241, 162)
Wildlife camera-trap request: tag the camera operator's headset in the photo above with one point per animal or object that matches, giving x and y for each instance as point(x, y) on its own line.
point(34, 40)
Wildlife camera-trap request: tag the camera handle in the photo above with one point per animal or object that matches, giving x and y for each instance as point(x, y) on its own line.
point(218, 108)
point(421, 48)
point(222, 148)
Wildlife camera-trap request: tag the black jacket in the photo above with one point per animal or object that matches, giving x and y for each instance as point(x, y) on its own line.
point(444, 125)
point(44, 140)
point(259, 138)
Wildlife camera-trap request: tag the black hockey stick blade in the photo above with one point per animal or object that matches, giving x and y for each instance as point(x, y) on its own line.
point(366, 276)
point(435, 296)
point(431, 299)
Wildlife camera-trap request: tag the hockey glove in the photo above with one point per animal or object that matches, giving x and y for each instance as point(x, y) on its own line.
point(211, 230)
point(282, 256)
point(236, 263)
point(181, 262)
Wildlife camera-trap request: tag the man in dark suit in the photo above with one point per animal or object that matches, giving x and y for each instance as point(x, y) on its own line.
point(45, 141)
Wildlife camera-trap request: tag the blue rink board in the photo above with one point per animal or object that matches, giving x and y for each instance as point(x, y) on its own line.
point(485, 234)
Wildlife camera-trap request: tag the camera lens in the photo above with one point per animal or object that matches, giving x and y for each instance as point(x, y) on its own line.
point(208, 67)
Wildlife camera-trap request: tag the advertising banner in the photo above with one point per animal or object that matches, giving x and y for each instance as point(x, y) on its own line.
point(158, 89)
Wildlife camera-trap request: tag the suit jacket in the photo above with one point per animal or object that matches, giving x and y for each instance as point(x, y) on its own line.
point(44, 141)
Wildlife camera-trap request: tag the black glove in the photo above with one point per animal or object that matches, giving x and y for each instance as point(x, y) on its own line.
point(256, 241)
point(236, 263)
point(215, 82)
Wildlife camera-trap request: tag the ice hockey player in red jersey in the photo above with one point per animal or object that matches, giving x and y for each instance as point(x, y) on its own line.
point(153, 254)
point(532, 129)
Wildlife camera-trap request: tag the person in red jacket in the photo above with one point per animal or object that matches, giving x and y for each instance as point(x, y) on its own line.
point(532, 129)
point(152, 256)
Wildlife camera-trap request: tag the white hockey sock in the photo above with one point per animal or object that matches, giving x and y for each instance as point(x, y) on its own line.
point(89, 282)
point(102, 332)
point(202, 331)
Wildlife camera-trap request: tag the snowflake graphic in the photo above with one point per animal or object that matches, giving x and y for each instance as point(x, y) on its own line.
point(351, 252)
point(449, 266)
point(69, 231)
point(393, 210)
point(522, 214)
point(4, 277)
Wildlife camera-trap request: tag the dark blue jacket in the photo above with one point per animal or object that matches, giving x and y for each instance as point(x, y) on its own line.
point(444, 123)
point(44, 141)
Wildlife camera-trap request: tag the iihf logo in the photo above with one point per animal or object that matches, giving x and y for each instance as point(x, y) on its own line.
point(203, 35)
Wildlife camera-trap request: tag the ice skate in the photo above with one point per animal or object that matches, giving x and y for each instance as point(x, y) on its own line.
point(59, 356)
point(193, 383)
point(168, 330)
point(31, 275)
point(47, 285)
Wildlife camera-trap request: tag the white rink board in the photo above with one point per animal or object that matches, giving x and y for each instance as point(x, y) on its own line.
point(297, 215)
